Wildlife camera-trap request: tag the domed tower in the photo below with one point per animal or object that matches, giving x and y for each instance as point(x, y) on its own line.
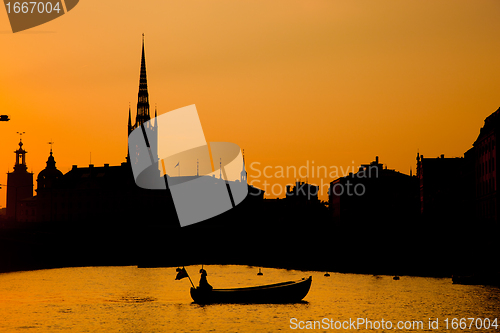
point(45, 185)
point(49, 175)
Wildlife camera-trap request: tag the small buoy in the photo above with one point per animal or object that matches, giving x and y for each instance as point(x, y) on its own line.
point(327, 274)
point(260, 273)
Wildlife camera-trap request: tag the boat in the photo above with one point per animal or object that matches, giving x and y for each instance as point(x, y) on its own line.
point(284, 292)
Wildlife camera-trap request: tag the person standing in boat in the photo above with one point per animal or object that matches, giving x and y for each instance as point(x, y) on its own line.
point(203, 281)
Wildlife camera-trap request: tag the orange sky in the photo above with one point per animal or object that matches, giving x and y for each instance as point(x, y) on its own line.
point(290, 81)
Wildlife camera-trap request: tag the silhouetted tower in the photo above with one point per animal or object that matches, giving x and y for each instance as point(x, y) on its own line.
point(143, 115)
point(19, 183)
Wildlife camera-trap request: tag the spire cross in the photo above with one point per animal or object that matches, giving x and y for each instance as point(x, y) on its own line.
point(20, 135)
point(51, 143)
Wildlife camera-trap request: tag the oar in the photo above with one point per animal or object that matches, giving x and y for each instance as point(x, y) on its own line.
point(189, 277)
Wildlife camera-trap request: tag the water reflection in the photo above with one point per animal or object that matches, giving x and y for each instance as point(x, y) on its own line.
point(112, 299)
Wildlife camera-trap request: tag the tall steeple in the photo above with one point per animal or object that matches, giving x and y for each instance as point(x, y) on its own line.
point(130, 128)
point(143, 116)
point(143, 96)
point(243, 174)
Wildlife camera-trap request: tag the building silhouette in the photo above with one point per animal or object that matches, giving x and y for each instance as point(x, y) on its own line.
point(373, 196)
point(485, 155)
point(302, 193)
point(19, 184)
point(463, 189)
point(104, 195)
point(107, 194)
point(443, 188)
point(90, 194)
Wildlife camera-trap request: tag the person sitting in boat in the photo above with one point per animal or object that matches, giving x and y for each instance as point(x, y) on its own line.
point(203, 281)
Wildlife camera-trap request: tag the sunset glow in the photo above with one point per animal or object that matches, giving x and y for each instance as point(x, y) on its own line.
point(336, 82)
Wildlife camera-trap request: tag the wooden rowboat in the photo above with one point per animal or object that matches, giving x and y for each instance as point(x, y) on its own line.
point(284, 292)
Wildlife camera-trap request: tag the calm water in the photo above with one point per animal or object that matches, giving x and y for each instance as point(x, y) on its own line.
point(130, 299)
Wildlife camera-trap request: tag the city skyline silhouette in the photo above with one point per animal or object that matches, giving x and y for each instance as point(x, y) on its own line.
point(339, 155)
point(341, 85)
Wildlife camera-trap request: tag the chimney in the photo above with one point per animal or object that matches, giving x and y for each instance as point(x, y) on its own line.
point(376, 159)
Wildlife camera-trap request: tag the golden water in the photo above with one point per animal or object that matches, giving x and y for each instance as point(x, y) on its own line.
point(130, 299)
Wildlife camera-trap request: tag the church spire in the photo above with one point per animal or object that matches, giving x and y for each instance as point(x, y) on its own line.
point(143, 96)
point(243, 174)
point(130, 128)
point(143, 116)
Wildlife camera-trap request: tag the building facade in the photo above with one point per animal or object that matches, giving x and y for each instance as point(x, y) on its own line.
point(485, 154)
point(442, 188)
